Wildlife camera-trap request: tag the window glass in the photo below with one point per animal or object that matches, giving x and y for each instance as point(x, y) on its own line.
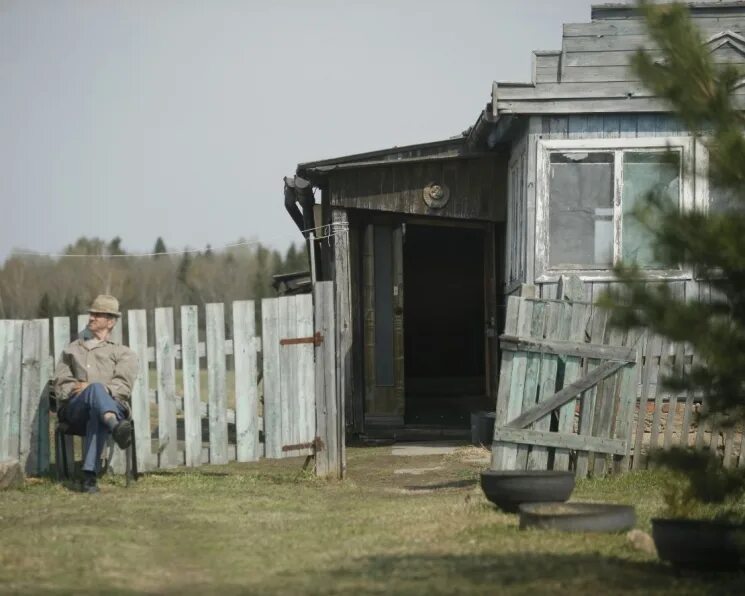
point(581, 209)
point(643, 173)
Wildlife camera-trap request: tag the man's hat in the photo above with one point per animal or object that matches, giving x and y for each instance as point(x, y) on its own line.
point(105, 304)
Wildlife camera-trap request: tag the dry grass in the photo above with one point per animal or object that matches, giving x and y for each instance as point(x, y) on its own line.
point(269, 528)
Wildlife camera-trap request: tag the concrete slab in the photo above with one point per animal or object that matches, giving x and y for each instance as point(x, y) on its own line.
point(435, 448)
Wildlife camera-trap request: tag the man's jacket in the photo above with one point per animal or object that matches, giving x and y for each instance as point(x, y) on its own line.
point(111, 364)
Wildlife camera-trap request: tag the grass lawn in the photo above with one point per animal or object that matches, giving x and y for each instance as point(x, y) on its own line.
point(268, 528)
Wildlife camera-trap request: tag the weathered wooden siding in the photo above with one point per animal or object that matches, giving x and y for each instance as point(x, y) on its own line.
point(591, 72)
point(477, 188)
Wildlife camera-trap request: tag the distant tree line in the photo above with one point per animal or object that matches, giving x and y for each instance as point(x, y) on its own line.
point(38, 286)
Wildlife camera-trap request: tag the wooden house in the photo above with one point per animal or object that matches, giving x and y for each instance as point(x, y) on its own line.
point(428, 240)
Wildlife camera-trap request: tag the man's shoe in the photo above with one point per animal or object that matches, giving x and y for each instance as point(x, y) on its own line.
point(122, 434)
point(89, 484)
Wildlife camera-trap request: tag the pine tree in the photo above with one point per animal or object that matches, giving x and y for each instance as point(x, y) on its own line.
point(160, 248)
point(712, 243)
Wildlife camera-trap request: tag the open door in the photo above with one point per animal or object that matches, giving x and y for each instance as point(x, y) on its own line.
point(445, 347)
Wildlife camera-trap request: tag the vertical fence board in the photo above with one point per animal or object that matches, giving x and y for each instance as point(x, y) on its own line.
point(11, 338)
point(304, 364)
point(137, 322)
point(598, 320)
point(287, 393)
point(246, 394)
point(556, 328)
point(271, 373)
point(662, 370)
point(82, 324)
point(190, 374)
point(572, 371)
point(672, 404)
point(218, 419)
point(519, 366)
point(165, 362)
point(532, 377)
point(606, 407)
point(623, 427)
point(33, 366)
point(514, 305)
point(61, 339)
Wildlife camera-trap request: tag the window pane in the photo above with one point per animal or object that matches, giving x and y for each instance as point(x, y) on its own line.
point(581, 209)
point(645, 172)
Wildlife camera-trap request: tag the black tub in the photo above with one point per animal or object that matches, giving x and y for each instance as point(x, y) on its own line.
point(700, 544)
point(509, 489)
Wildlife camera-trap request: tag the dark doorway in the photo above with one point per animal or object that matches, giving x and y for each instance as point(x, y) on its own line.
point(444, 358)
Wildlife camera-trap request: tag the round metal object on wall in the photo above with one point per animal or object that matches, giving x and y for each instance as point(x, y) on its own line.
point(436, 196)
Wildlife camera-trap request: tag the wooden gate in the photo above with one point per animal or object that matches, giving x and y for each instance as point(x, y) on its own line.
point(567, 388)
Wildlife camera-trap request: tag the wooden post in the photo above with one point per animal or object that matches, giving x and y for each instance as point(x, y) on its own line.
point(329, 460)
point(272, 405)
point(343, 314)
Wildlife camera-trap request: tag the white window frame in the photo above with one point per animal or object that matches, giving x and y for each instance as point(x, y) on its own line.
point(544, 273)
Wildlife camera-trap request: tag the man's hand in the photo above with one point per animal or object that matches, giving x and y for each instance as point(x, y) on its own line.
point(78, 387)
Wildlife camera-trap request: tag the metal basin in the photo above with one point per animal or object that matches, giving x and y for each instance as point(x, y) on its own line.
point(509, 489)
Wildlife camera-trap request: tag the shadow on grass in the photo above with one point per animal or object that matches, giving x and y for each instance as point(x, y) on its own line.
point(518, 573)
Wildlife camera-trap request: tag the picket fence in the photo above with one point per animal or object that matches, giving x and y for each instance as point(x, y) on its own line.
point(169, 418)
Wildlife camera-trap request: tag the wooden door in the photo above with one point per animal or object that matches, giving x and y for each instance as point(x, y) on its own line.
point(382, 300)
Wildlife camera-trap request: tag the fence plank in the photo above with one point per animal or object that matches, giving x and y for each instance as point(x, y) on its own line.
point(630, 379)
point(246, 394)
point(287, 392)
point(662, 370)
point(532, 375)
point(192, 400)
point(329, 460)
point(166, 373)
point(587, 405)
point(11, 340)
point(216, 375)
point(556, 329)
point(685, 426)
point(137, 322)
point(61, 339)
point(561, 440)
point(672, 404)
point(605, 409)
point(650, 347)
point(505, 381)
point(271, 373)
point(33, 366)
point(304, 364)
point(519, 367)
point(82, 324)
point(572, 369)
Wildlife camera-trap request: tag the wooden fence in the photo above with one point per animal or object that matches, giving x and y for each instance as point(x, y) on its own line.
point(575, 393)
point(180, 398)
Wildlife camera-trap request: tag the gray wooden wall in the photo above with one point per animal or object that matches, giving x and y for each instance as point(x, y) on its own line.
point(477, 188)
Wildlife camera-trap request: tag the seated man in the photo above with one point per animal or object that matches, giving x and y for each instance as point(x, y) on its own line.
point(94, 380)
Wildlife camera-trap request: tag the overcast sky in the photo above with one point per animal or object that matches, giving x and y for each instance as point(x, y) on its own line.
point(146, 118)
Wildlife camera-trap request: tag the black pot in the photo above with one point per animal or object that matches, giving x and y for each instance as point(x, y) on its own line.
point(509, 489)
point(577, 517)
point(701, 544)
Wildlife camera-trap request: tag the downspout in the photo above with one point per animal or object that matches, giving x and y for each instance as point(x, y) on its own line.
point(299, 190)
